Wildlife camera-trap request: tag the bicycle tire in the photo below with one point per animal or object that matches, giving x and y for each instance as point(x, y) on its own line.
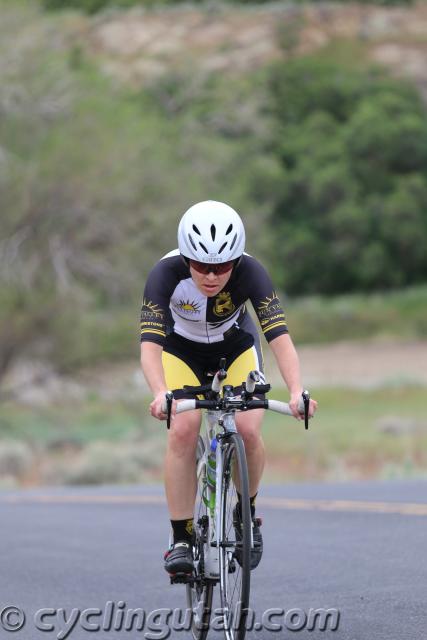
point(235, 575)
point(200, 592)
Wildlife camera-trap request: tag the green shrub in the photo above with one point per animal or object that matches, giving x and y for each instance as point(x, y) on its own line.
point(351, 214)
point(92, 6)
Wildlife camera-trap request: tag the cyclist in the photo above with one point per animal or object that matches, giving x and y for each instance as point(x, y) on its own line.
point(193, 313)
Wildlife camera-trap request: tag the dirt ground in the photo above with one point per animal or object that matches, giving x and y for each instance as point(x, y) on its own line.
point(363, 364)
point(343, 364)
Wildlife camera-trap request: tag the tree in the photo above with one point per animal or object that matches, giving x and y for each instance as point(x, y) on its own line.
point(353, 148)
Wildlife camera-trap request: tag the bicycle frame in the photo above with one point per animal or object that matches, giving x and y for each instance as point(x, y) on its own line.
point(217, 424)
point(218, 555)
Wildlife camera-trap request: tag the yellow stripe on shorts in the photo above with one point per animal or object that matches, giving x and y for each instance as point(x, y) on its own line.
point(177, 373)
point(238, 371)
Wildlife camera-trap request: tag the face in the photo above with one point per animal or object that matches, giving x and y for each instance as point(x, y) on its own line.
point(210, 283)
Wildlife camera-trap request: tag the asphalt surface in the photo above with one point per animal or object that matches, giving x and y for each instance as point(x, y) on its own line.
point(359, 549)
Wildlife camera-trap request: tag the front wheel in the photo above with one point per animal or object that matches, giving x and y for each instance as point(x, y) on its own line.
point(199, 592)
point(235, 540)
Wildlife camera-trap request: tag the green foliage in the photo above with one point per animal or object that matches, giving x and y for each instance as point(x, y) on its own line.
point(92, 6)
point(94, 177)
point(352, 212)
point(105, 441)
point(91, 184)
point(346, 441)
point(73, 214)
point(393, 315)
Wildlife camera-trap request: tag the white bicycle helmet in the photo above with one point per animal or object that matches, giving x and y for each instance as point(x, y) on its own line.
point(211, 232)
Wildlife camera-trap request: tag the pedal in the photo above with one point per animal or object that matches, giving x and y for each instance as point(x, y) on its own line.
point(181, 578)
point(232, 566)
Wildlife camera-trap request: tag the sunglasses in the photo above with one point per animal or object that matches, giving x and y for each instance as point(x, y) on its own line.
point(217, 269)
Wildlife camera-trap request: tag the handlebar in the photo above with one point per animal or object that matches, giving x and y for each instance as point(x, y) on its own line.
point(213, 405)
point(226, 404)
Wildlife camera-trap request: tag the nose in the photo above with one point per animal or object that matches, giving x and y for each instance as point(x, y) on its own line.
point(211, 276)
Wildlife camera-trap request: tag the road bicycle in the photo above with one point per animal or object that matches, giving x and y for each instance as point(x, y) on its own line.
point(222, 556)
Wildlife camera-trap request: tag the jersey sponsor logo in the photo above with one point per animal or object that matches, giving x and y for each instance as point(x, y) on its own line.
point(155, 325)
point(223, 304)
point(278, 316)
point(270, 306)
point(150, 311)
point(188, 306)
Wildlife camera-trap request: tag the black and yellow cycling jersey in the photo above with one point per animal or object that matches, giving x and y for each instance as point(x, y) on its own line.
point(195, 330)
point(173, 303)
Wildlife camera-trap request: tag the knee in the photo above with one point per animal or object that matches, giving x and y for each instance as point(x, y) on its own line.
point(183, 435)
point(251, 437)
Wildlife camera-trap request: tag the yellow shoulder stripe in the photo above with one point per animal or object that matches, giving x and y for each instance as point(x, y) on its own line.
point(273, 326)
point(160, 333)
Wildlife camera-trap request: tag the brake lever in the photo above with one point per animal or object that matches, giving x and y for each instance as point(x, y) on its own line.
point(219, 377)
point(306, 400)
point(169, 400)
point(251, 381)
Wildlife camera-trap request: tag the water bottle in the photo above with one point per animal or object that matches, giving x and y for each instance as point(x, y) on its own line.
point(211, 468)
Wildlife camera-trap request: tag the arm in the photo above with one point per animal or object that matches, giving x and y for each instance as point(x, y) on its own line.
point(273, 324)
point(151, 363)
point(288, 363)
point(152, 367)
point(155, 303)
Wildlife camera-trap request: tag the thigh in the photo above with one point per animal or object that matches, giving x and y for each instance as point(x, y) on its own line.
point(185, 426)
point(178, 372)
point(245, 362)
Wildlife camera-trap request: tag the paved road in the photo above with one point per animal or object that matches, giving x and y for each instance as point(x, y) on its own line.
point(357, 548)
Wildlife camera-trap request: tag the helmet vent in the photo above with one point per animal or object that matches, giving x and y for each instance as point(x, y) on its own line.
point(233, 242)
point(222, 248)
point(192, 242)
point(213, 232)
point(229, 230)
point(196, 230)
point(203, 247)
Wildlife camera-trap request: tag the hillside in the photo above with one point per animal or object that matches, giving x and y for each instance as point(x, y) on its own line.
point(110, 125)
point(137, 46)
point(106, 118)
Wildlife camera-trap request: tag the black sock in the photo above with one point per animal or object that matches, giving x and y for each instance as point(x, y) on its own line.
point(182, 530)
point(252, 503)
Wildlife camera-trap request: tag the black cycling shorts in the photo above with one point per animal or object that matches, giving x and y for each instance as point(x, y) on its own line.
point(186, 362)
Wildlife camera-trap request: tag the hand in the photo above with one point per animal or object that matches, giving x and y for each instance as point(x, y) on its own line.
point(158, 404)
point(294, 403)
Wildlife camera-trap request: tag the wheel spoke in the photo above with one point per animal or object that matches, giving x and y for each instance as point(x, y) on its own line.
point(199, 593)
point(235, 550)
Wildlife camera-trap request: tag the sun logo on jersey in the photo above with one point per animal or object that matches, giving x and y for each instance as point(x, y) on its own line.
point(188, 306)
point(223, 304)
point(150, 310)
point(269, 305)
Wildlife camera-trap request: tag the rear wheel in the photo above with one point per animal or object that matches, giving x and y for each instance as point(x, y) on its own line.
point(199, 592)
point(235, 550)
